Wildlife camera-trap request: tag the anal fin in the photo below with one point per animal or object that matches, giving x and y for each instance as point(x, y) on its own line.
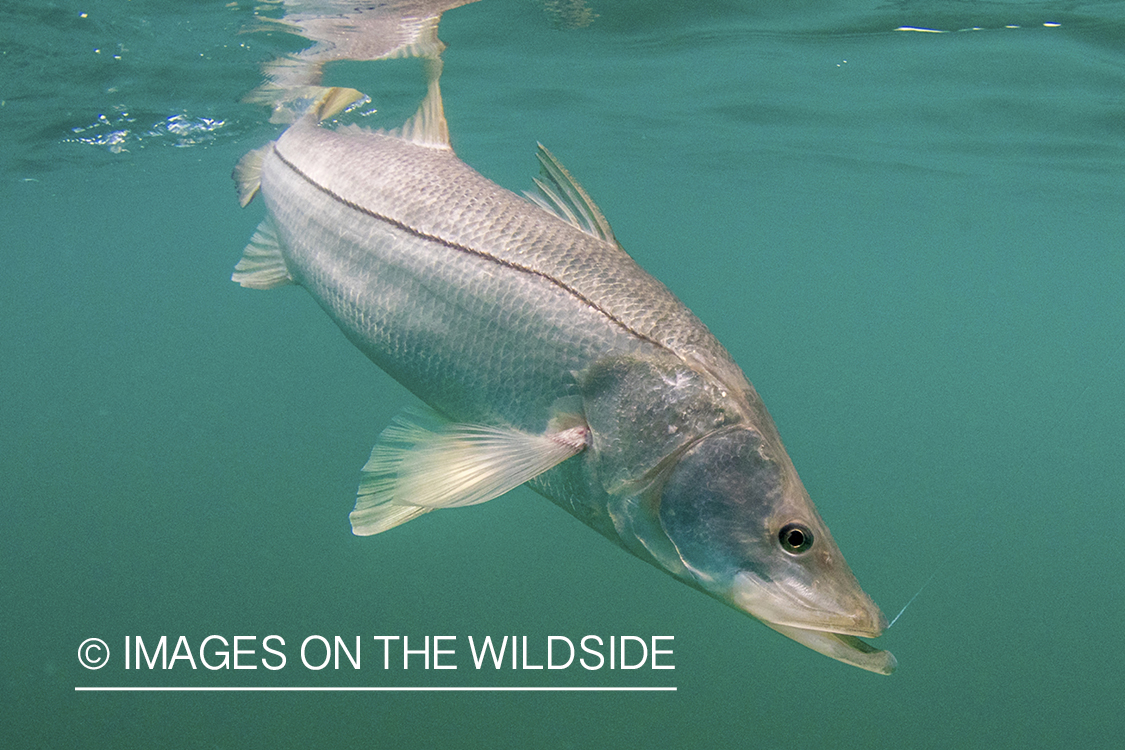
point(262, 265)
point(420, 463)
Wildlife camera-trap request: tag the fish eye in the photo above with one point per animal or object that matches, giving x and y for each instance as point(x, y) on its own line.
point(795, 538)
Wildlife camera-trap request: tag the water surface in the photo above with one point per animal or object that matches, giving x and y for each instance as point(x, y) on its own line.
point(910, 240)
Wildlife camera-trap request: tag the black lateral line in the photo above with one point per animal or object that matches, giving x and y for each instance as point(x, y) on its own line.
point(468, 251)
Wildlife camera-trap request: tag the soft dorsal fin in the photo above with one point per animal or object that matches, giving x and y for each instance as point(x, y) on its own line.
point(561, 194)
point(421, 463)
point(427, 127)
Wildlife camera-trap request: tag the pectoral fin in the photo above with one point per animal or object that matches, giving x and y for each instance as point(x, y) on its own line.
point(420, 463)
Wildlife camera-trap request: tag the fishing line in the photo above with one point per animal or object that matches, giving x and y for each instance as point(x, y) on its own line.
point(892, 622)
point(924, 585)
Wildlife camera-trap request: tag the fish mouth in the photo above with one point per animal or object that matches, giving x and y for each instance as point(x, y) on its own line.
point(828, 624)
point(840, 646)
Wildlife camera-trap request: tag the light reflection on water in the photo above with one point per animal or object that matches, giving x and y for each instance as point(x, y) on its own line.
point(117, 132)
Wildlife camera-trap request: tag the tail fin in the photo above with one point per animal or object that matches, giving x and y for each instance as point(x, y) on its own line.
point(333, 101)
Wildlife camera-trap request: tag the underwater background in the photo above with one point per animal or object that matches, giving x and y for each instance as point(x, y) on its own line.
point(905, 220)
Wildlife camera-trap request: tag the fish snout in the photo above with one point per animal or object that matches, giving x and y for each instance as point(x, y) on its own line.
point(846, 610)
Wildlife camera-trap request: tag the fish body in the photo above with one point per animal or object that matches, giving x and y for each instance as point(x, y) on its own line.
point(548, 356)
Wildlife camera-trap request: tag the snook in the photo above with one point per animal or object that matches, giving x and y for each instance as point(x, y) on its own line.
point(535, 339)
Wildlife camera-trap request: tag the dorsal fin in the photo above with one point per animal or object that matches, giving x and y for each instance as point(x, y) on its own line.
point(561, 194)
point(428, 126)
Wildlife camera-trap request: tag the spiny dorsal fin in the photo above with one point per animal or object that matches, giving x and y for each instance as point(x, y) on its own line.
point(262, 265)
point(561, 194)
point(421, 463)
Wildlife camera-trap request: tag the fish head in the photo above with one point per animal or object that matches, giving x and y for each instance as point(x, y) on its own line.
point(747, 532)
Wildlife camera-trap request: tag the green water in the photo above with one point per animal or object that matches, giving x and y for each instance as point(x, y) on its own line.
point(912, 243)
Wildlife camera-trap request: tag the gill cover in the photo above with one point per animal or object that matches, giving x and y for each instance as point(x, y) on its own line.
point(698, 483)
point(747, 531)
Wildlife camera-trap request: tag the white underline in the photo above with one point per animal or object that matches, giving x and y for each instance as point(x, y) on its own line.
point(367, 689)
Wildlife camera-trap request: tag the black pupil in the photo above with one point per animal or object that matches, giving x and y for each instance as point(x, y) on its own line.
point(795, 538)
